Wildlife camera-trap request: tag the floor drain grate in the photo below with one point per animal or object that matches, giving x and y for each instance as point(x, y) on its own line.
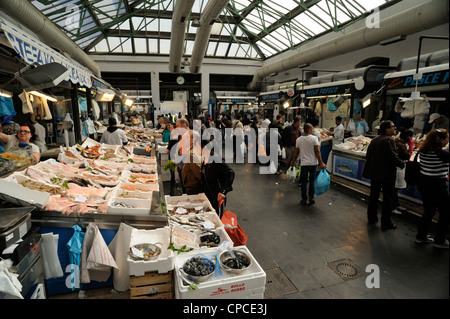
point(277, 284)
point(346, 269)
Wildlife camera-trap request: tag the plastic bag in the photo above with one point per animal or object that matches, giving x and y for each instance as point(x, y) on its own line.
point(291, 174)
point(322, 183)
point(283, 153)
point(351, 126)
point(233, 229)
point(331, 106)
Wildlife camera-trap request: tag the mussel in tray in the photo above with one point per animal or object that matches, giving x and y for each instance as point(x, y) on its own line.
point(237, 263)
point(210, 239)
point(198, 268)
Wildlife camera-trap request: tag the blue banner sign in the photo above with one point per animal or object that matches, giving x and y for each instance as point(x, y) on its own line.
point(431, 78)
point(31, 50)
point(329, 90)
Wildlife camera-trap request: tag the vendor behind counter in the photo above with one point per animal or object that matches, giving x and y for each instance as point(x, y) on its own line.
point(19, 142)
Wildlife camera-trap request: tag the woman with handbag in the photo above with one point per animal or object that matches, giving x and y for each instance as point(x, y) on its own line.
point(434, 164)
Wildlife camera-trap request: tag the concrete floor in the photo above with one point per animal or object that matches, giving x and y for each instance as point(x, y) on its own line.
point(302, 240)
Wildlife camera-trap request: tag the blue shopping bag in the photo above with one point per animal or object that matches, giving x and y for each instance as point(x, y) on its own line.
point(322, 183)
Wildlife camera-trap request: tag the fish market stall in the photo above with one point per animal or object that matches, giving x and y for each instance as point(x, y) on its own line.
point(347, 161)
point(91, 184)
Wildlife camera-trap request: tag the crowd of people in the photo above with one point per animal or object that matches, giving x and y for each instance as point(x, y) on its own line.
point(386, 157)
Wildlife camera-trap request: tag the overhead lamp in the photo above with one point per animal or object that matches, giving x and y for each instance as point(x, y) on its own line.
point(367, 100)
point(37, 77)
point(104, 95)
point(286, 104)
point(128, 102)
point(5, 93)
point(338, 101)
point(44, 96)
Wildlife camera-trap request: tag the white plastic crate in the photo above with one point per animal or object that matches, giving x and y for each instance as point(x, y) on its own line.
point(219, 231)
point(140, 206)
point(181, 237)
point(165, 261)
point(248, 284)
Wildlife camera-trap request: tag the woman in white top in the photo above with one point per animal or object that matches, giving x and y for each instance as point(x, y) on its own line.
point(22, 140)
point(113, 134)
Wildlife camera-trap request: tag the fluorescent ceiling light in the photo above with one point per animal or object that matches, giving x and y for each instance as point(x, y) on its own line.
point(367, 100)
point(45, 96)
point(128, 102)
point(5, 93)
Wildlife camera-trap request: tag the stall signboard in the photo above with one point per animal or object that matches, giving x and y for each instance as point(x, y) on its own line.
point(428, 79)
point(272, 96)
point(32, 50)
point(327, 90)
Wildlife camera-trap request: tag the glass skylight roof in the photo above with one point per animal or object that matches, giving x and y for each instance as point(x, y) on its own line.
point(246, 29)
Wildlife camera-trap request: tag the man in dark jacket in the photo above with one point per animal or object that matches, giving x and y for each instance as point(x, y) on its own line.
point(217, 180)
point(381, 166)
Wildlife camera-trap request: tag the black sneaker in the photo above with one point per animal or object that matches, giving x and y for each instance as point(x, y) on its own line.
point(427, 240)
point(312, 202)
point(303, 202)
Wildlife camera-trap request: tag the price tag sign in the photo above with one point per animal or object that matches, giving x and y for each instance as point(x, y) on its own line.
point(80, 199)
point(208, 225)
point(181, 211)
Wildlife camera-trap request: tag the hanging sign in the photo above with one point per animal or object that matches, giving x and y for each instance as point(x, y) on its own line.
point(32, 50)
point(430, 78)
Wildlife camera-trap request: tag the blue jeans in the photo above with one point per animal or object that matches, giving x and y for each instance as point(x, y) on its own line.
point(308, 174)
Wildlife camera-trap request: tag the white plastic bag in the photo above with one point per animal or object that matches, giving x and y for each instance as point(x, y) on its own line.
point(291, 174)
point(351, 126)
point(283, 153)
point(400, 178)
point(49, 250)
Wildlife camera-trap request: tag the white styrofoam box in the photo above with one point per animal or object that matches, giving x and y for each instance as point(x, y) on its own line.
point(219, 231)
point(249, 283)
point(133, 194)
point(165, 175)
point(89, 142)
point(140, 206)
point(212, 217)
point(13, 192)
point(69, 160)
point(181, 237)
point(139, 187)
point(126, 174)
point(165, 261)
point(140, 159)
point(189, 201)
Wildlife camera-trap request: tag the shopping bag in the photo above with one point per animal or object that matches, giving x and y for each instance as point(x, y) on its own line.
point(412, 171)
point(291, 174)
point(283, 153)
point(400, 178)
point(322, 183)
point(233, 229)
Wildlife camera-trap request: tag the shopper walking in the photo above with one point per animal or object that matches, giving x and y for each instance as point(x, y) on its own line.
point(434, 169)
point(309, 148)
point(381, 166)
point(288, 139)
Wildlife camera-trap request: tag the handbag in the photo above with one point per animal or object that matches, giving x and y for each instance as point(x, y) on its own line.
point(233, 229)
point(412, 171)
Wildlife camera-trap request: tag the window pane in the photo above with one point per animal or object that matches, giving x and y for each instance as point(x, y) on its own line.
point(153, 45)
point(164, 46)
point(140, 45)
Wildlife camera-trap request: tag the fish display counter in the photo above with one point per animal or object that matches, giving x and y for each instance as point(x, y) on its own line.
point(347, 160)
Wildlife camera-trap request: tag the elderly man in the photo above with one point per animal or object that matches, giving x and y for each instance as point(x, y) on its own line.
point(438, 121)
point(381, 165)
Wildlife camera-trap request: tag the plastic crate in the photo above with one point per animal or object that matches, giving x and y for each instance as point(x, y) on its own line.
point(248, 284)
point(165, 261)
